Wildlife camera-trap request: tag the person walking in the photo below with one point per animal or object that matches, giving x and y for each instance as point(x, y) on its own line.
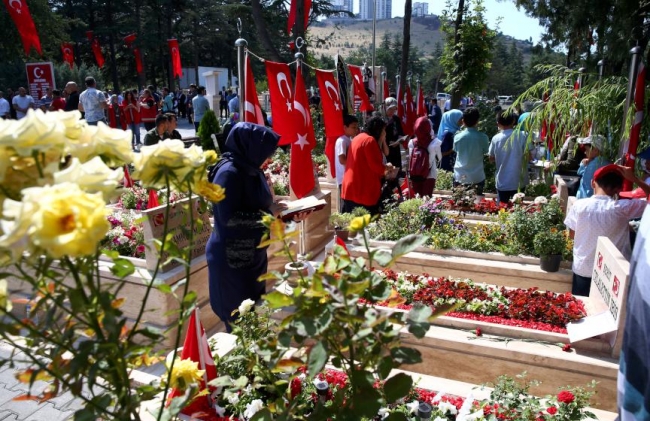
point(116, 118)
point(470, 146)
point(148, 110)
point(508, 151)
point(167, 101)
point(72, 99)
point(132, 117)
point(5, 109)
point(425, 139)
point(93, 102)
point(449, 125)
point(200, 105)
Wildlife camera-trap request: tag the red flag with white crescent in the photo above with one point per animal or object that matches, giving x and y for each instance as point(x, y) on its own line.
point(332, 115)
point(421, 110)
point(175, 54)
point(97, 49)
point(281, 97)
point(358, 89)
point(68, 54)
point(19, 13)
point(197, 349)
point(252, 110)
point(301, 166)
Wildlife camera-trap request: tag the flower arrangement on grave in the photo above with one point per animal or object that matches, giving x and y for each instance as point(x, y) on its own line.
point(57, 175)
point(550, 242)
point(530, 308)
point(137, 198)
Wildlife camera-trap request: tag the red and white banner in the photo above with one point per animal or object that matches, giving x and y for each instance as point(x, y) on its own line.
point(332, 113)
point(197, 349)
point(252, 110)
point(68, 53)
point(39, 77)
point(301, 166)
point(358, 89)
point(281, 96)
point(175, 54)
point(97, 49)
point(19, 13)
point(632, 143)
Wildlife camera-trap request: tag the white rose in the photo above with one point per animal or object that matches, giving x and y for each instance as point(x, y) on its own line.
point(253, 408)
point(233, 399)
point(540, 200)
point(123, 239)
point(245, 306)
point(383, 413)
point(36, 131)
point(413, 407)
point(93, 176)
point(446, 407)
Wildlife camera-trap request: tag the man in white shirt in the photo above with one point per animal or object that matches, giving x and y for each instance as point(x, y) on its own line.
point(350, 129)
point(601, 215)
point(22, 103)
point(93, 102)
point(5, 108)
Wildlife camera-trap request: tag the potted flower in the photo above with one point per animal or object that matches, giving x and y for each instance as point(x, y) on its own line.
point(340, 222)
point(549, 245)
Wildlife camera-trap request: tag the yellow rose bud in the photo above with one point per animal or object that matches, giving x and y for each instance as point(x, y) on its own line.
point(5, 304)
point(359, 223)
point(210, 157)
point(185, 373)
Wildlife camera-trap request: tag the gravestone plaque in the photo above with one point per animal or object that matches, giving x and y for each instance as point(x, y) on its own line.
point(607, 297)
point(178, 224)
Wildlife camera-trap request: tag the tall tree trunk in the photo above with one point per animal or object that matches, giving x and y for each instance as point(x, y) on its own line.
point(141, 76)
point(170, 75)
point(406, 44)
point(263, 33)
point(458, 92)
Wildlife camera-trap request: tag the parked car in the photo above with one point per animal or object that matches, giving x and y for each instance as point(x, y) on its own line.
point(443, 96)
point(505, 99)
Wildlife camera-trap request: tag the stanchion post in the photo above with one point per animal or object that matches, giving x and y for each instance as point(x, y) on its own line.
point(241, 45)
point(634, 64)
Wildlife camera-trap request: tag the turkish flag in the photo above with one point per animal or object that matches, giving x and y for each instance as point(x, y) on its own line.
point(301, 167)
point(332, 115)
point(252, 110)
point(175, 53)
point(293, 10)
point(138, 60)
point(421, 110)
point(97, 49)
point(386, 89)
point(128, 181)
point(196, 348)
point(19, 12)
point(358, 89)
point(68, 53)
point(152, 201)
point(279, 79)
point(129, 39)
point(408, 120)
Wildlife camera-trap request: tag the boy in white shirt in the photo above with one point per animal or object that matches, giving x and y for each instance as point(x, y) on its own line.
point(602, 215)
point(350, 129)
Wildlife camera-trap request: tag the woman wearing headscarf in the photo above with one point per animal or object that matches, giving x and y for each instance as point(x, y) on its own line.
point(425, 139)
point(234, 261)
point(449, 125)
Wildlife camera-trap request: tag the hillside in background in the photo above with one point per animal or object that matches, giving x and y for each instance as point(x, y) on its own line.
point(348, 35)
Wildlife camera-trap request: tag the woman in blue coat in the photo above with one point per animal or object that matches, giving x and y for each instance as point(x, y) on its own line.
point(234, 261)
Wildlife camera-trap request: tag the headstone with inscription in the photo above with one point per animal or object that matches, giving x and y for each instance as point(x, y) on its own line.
point(607, 297)
point(179, 218)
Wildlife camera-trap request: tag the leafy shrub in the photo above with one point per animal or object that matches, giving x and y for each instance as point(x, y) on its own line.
point(209, 126)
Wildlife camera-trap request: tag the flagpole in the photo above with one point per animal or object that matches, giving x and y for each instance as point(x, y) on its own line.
point(601, 67)
point(382, 94)
point(374, 26)
point(636, 52)
point(241, 60)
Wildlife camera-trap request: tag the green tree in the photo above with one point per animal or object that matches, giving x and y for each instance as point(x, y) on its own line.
point(467, 54)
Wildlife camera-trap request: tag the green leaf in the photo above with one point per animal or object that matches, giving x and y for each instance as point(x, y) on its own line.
point(418, 329)
point(164, 288)
point(408, 244)
point(85, 415)
point(263, 415)
point(122, 268)
point(241, 382)
point(404, 355)
point(397, 387)
point(420, 313)
point(383, 257)
point(366, 402)
point(276, 299)
point(317, 358)
point(385, 366)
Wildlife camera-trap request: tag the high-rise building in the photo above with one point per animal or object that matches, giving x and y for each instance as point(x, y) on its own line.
point(384, 9)
point(420, 9)
point(348, 5)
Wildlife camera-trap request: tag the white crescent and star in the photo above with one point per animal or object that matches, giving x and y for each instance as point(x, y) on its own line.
point(305, 115)
point(174, 51)
point(329, 85)
point(282, 77)
point(67, 51)
point(18, 8)
point(38, 72)
point(302, 141)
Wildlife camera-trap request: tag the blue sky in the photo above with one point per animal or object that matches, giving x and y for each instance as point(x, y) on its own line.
point(514, 22)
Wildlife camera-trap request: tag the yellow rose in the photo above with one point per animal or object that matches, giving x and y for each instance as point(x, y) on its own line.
point(170, 158)
point(114, 145)
point(185, 373)
point(213, 192)
point(210, 157)
point(37, 131)
point(92, 176)
point(359, 223)
point(5, 303)
point(60, 220)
